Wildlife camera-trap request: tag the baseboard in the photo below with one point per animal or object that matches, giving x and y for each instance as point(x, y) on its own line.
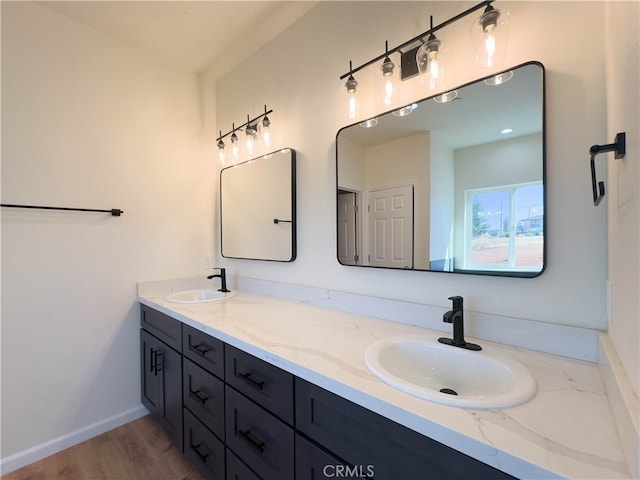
point(623, 401)
point(33, 454)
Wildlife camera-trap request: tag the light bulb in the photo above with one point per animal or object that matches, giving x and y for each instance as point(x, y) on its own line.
point(234, 145)
point(352, 99)
point(489, 36)
point(221, 155)
point(387, 89)
point(429, 60)
point(266, 132)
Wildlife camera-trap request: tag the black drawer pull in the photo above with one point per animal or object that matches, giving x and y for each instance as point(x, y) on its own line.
point(196, 448)
point(253, 441)
point(196, 395)
point(199, 349)
point(252, 381)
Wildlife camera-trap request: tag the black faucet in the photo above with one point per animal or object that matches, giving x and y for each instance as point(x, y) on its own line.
point(456, 316)
point(223, 279)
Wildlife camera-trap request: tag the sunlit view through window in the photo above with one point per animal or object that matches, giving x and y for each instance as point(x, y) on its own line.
point(504, 228)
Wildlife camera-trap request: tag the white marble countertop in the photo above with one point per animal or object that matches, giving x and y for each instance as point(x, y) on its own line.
point(565, 431)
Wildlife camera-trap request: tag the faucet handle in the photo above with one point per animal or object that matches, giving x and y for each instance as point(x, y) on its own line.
point(457, 303)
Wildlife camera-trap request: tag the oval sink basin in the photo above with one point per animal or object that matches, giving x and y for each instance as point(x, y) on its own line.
point(199, 295)
point(423, 367)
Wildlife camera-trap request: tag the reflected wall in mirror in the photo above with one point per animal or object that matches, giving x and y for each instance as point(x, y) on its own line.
point(258, 208)
point(453, 183)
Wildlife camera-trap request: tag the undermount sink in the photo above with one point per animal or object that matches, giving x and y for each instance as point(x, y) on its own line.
point(420, 366)
point(199, 295)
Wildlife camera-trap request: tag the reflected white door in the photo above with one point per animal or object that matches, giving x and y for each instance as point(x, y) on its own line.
point(391, 227)
point(347, 212)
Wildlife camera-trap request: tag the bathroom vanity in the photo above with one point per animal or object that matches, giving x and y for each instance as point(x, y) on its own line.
point(272, 388)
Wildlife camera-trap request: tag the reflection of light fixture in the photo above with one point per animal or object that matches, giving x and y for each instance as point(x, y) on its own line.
point(404, 111)
point(489, 36)
point(504, 131)
point(446, 97)
point(499, 79)
point(387, 87)
point(372, 122)
point(429, 60)
point(352, 100)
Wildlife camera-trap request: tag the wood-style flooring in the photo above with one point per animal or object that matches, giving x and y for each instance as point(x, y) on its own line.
point(139, 450)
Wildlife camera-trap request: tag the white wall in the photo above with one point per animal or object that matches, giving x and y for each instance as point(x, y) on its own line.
point(298, 77)
point(623, 197)
point(89, 122)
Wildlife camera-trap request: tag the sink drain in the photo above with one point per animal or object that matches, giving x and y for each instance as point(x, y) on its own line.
point(449, 391)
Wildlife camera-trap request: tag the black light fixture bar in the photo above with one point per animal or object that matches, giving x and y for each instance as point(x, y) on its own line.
point(419, 38)
point(247, 123)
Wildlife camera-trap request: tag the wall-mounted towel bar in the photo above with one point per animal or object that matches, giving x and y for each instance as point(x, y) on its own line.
point(116, 212)
point(619, 146)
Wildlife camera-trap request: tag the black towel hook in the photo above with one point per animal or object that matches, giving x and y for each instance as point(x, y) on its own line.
point(619, 146)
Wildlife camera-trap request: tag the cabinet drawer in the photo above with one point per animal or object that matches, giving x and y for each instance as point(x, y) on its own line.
point(203, 395)
point(314, 463)
point(267, 385)
point(202, 447)
point(364, 438)
point(236, 470)
point(205, 350)
point(164, 327)
point(264, 442)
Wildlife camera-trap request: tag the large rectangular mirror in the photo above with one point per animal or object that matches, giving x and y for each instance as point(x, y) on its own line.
point(258, 208)
point(453, 183)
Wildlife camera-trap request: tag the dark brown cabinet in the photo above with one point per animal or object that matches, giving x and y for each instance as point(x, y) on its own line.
point(238, 417)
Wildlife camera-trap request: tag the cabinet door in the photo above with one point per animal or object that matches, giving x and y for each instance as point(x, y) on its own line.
point(161, 378)
point(315, 463)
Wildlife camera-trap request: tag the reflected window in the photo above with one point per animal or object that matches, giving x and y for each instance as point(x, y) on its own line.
point(504, 228)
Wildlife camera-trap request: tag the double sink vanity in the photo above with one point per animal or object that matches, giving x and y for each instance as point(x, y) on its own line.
point(261, 387)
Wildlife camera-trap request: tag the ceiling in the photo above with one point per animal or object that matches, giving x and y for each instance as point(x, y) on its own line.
point(203, 36)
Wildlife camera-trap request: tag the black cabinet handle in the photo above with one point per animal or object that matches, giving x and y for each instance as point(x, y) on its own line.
point(196, 448)
point(157, 367)
point(196, 395)
point(253, 441)
point(199, 349)
point(252, 381)
point(152, 360)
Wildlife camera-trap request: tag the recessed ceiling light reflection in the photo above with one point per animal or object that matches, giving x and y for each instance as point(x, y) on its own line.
point(372, 122)
point(499, 79)
point(404, 111)
point(446, 97)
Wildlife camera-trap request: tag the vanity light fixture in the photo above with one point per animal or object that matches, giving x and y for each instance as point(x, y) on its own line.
point(251, 130)
point(489, 36)
point(489, 33)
